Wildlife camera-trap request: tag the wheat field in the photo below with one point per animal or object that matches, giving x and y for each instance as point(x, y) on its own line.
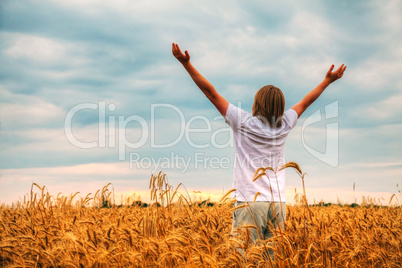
point(66, 231)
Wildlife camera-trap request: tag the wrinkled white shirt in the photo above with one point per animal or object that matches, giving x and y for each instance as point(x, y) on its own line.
point(258, 145)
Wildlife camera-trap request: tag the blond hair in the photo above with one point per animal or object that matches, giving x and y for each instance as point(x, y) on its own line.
point(269, 105)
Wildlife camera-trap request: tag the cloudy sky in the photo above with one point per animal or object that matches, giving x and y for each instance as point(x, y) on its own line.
point(90, 93)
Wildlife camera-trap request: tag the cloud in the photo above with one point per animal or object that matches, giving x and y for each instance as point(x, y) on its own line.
point(58, 54)
point(387, 109)
point(36, 48)
point(15, 183)
point(19, 111)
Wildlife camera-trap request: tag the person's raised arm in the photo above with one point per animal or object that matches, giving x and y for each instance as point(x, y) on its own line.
point(206, 87)
point(330, 77)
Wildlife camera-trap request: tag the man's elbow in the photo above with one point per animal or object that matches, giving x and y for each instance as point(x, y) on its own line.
point(212, 96)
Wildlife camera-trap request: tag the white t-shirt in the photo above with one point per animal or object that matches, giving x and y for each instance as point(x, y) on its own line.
point(258, 145)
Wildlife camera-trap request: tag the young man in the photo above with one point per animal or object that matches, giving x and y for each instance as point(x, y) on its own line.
point(259, 142)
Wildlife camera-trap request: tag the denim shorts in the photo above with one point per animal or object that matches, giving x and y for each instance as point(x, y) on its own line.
point(267, 217)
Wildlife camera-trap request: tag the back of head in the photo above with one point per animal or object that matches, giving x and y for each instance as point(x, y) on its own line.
point(269, 105)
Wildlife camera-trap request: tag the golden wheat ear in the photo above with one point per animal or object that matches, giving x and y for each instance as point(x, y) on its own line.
point(292, 165)
point(256, 195)
point(228, 193)
point(261, 172)
point(240, 206)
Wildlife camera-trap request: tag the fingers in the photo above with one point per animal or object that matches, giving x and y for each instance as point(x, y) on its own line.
point(339, 69)
point(331, 68)
point(179, 55)
point(333, 76)
point(174, 46)
point(339, 72)
point(343, 70)
point(176, 50)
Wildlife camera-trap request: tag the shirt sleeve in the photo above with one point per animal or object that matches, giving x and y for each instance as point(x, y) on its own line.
point(291, 117)
point(235, 116)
